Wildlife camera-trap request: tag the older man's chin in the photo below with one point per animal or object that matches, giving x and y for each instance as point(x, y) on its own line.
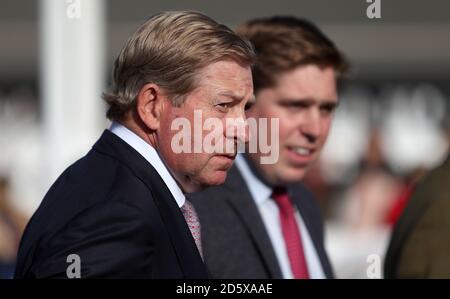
point(215, 178)
point(213, 175)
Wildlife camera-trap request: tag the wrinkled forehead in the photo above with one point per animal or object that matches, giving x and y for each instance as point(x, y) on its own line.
point(226, 77)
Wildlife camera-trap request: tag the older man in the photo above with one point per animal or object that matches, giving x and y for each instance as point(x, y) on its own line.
point(263, 223)
point(120, 211)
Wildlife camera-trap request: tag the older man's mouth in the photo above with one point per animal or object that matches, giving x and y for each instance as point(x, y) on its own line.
point(227, 159)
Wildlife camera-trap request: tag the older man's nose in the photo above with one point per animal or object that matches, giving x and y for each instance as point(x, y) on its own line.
point(237, 129)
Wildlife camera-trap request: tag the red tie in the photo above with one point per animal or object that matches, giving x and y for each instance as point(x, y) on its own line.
point(291, 233)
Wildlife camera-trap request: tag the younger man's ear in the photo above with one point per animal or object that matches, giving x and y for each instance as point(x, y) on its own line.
point(149, 104)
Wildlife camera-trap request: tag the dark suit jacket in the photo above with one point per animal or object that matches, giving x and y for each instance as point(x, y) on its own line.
point(420, 242)
point(113, 210)
point(234, 239)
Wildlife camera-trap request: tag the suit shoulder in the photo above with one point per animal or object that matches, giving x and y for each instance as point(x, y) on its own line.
point(93, 180)
point(304, 196)
point(435, 185)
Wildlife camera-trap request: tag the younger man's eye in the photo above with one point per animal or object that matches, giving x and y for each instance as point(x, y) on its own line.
point(248, 105)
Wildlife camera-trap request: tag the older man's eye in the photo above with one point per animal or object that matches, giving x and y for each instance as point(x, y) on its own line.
point(224, 106)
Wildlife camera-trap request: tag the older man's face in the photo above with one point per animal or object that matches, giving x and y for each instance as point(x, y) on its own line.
point(222, 92)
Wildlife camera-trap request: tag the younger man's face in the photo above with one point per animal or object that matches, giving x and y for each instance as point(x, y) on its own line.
point(304, 100)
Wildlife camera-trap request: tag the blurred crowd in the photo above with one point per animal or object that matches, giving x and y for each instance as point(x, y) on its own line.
point(382, 142)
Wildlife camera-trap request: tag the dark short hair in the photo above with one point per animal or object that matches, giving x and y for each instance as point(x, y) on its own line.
point(283, 43)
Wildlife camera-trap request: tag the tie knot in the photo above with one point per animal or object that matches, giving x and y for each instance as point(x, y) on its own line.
point(282, 199)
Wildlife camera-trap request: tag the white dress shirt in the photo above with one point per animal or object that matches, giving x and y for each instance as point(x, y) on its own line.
point(151, 155)
point(269, 212)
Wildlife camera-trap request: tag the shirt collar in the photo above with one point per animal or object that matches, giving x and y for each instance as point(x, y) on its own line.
point(259, 190)
point(151, 155)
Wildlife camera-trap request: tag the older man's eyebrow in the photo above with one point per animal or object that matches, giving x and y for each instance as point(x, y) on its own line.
point(230, 94)
point(235, 96)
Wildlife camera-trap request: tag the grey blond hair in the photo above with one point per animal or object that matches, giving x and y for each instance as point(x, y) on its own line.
point(169, 49)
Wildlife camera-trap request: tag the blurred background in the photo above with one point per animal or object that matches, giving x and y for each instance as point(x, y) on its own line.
point(391, 128)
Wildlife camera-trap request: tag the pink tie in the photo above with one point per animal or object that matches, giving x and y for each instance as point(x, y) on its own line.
point(190, 215)
point(291, 233)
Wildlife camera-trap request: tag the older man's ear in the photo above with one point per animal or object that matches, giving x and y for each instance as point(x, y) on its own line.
point(149, 105)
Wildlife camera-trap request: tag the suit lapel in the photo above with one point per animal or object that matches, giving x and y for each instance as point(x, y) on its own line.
point(244, 206)
point(180, 236)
